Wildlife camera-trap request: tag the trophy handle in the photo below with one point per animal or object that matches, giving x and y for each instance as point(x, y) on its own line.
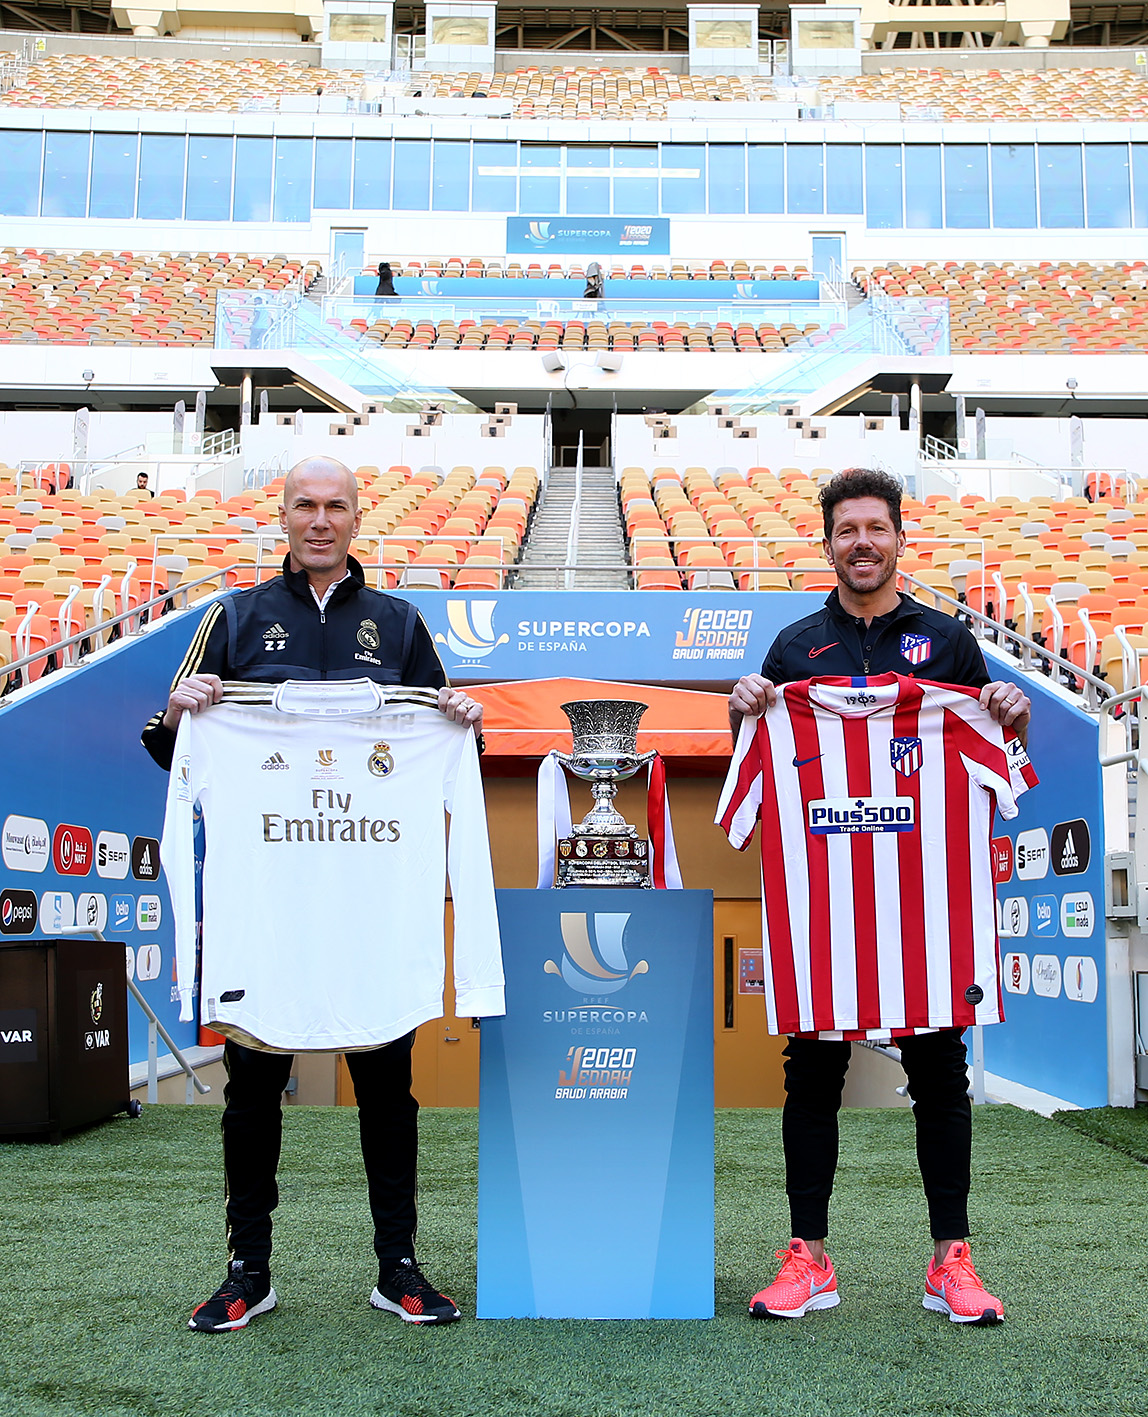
point(644, 758)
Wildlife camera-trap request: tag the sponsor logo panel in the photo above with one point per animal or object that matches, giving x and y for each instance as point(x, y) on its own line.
point(1077, 915)
point(92, 911)
point(1017, 973)
point(149, 962)
point(148, 912)
point(1081, 979)
point(113, 855)
point(1044, 916)
point(1071, 847)
point(72, 851)
point(1046, 976)
point(25, 843)
point(18, 912)
point(1032, 855)
point(1002, 852)
point(57, 911)
point(122, 913)
point(1014, 917)
point(145, 858)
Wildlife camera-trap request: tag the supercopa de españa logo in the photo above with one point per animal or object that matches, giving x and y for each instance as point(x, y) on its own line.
point(470, 630)
point(594, 964)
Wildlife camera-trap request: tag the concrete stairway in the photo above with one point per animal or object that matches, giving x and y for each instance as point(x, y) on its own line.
point(600, 539)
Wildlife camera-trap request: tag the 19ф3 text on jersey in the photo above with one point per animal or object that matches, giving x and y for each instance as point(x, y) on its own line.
point(324, 871)
point(876, 798)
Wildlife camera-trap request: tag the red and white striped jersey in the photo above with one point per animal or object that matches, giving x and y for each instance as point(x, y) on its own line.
point(876, 799)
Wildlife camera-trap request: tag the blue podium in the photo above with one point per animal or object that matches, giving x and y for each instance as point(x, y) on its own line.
point(596, 1109)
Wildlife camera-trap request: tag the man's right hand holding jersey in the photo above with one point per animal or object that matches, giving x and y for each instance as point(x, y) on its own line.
point(751, 696)
point(191, 695)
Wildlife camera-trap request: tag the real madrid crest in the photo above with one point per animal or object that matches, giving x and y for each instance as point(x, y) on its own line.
point(368, 635)
point(380, 762)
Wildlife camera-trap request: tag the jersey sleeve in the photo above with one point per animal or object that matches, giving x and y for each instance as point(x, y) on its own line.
point(423, 667)
point(994, 756)
point(740, 802)
point(478, 976)
point(207, 654)
point(177, 852)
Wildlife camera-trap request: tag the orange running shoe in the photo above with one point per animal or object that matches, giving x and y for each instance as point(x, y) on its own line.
point(801, 1284)
point(953, 1287)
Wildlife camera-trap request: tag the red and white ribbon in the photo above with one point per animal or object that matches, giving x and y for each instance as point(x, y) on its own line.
point(554, 822)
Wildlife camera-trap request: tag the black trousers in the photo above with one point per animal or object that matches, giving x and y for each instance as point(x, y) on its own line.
point(253, 1129)
point(935, 1064)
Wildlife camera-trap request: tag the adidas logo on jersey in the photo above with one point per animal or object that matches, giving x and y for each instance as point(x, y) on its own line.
point(276, 763)
point(274, 637)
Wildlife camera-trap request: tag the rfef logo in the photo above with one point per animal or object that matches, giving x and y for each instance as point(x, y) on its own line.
point(17, 913)
point(145, 858)
point(72, 850)
point(1002, 860)
point(113, 855)
point(1071, 847)
point(594, 963)
point(24, 844)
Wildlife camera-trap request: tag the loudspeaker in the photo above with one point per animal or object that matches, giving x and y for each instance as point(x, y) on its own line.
point(812, 432)
point(506, 408)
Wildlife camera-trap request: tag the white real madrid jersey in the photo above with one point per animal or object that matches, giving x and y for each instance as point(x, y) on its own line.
point(325, 865)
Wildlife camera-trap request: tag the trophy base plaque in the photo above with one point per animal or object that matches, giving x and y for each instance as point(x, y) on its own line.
point(603, 861)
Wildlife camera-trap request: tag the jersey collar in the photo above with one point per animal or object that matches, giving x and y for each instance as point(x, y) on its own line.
point(908, 607)
point(298, 584)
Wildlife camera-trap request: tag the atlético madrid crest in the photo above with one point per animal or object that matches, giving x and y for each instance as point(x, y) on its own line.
point(905, 755)
point(916, 648)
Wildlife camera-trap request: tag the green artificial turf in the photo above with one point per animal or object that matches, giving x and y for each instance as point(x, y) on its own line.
point(1124, 1129)
point(109, 1240)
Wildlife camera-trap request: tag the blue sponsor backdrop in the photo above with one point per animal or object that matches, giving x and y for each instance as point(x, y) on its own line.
point(73, 764)
point(589, 236)
point(548, 288)
point(654, 636)
point(1050, 889)
point(596, 1111)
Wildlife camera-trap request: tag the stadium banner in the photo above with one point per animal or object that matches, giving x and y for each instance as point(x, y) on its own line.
point(665, 292)
point(82, 814)
point(589, 236)
point(1048, 864)
point(653, 635)
point(596, 1109)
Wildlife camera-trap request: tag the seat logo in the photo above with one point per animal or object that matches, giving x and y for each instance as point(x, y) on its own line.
point(470, 630)
point(594, 958)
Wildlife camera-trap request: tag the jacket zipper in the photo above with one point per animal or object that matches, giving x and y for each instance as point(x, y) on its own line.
point(322, 644)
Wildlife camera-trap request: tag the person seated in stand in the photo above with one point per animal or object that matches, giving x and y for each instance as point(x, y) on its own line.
point(386, 285)
point(141, 484)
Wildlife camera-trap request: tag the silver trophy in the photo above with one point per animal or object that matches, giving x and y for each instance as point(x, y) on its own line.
point(604, 849)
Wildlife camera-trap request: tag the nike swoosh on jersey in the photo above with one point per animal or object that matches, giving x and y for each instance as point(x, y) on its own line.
point(804, 762)
point(813, 653)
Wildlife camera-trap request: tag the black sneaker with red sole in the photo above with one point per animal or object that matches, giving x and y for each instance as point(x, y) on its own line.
point(407, 1292)
point(242, 1295)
